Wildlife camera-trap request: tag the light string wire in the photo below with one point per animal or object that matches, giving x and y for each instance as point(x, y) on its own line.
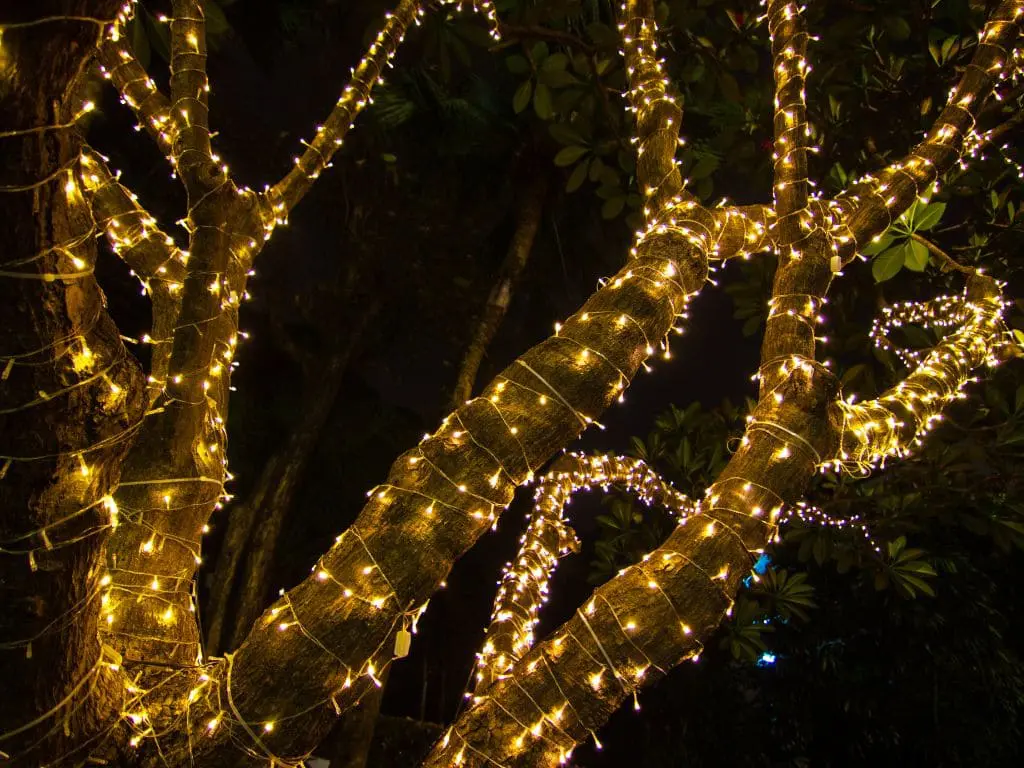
point(701, 241)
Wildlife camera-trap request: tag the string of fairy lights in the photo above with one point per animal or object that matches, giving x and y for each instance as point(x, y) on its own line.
point(523, 588)
point(159, 595)
point(970, 347)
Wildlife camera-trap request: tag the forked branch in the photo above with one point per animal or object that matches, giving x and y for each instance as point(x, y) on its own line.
point(438, 499)
point(149, 253)
point(524, 584)
point(657, 613)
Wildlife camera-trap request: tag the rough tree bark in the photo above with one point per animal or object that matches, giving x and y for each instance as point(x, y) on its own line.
point(70, 400)
point(657, 613)
point(121, 628)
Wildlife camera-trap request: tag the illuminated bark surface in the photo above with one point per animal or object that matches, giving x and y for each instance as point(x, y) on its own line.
point(108, 481)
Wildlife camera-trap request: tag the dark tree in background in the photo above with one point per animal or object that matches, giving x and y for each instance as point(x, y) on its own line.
point(113, 462)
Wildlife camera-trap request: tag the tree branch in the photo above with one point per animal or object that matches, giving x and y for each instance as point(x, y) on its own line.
point(648, 619)
point(658, 116)
point(148, 252)
point(132, 232)
point(365, 587)
point(740, 231)
point(193, 155)
point(804, 272)
point(518, 32)
point(524, 583)
point(655, 614)
point(286, 193)
point(283, 485)
point(948, 262)
point(119, 65)
point(893, 424)
point(787, 29)
point(71, 400)
point(871, 205)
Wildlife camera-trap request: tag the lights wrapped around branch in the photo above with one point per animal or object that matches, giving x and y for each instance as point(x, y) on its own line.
point(876, 201)
point(136, 88)
point(658, 115)
point(895, 422)
point(523, 587)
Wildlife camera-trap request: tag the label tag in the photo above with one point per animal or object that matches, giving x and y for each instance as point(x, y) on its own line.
point(403, 639)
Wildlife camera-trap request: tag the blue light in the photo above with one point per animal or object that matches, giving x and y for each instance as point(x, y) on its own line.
point(766, 660)
point(762, 564)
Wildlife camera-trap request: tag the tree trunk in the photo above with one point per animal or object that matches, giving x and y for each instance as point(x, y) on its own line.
point(71, 398)
point(528, 217)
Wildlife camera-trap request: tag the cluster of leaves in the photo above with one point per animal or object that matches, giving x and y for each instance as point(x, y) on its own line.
point(777, 594)
point(902, 245)
point(689, 447)
point(870, 680)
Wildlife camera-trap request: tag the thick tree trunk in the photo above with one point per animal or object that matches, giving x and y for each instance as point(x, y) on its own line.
point(528, 217)
point(71, 399)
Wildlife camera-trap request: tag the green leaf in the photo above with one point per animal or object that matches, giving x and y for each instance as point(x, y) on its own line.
point(896, 546)
point(517, 65)
point(216, 22)
point(915, 256)
point(577, 177)
point(563, 133)
point(569, 155)
point(522, 97)
point(888, 264)
point(542, 102)
point(897, 27)
point(692, 71)
point(539, 52)
point(607, 176)
point(602, 34)
point(730, 88)
point(876, 247)
point(613, 207)
point(703, 168)
point(558, 78)
point(928, 216)
point(852, 373)
point(555, 62)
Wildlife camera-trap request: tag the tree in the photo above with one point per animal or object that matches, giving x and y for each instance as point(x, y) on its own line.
point(110, 477)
